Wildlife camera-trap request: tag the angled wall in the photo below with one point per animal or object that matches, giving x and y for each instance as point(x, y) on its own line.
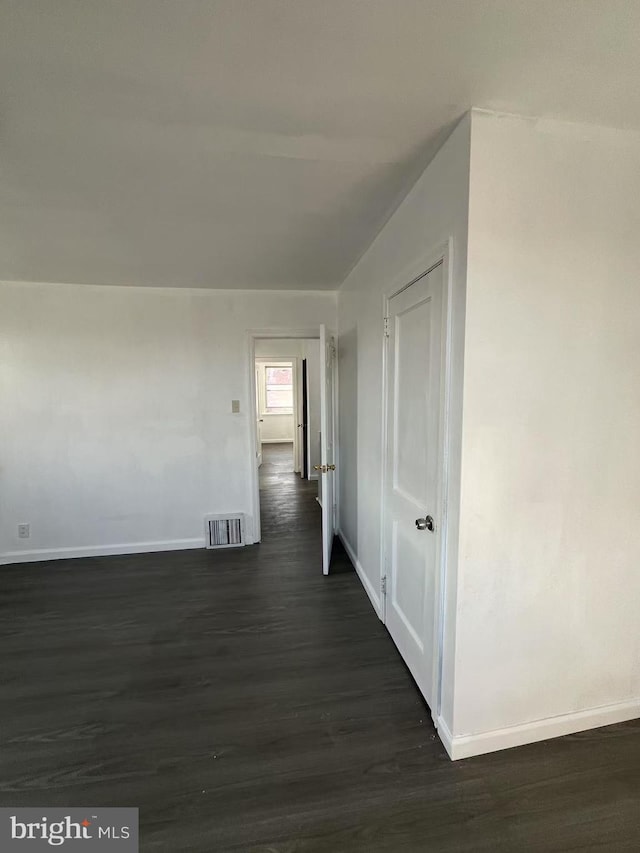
point(543, 589)
point(434, 212)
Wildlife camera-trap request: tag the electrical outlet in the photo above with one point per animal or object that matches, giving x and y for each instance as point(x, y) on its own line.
point(24, 531)
point(235, 407)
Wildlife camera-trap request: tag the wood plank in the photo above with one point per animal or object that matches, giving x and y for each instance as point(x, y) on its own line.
point(246, 703)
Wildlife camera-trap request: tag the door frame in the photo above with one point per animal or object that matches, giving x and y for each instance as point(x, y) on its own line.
point(304, 419)
point(441, 253)
point(254, 479)
point(328, 344)
point(257, 420)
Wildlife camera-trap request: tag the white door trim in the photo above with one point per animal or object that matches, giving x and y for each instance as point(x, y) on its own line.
point(442, 253)
point(254, 480)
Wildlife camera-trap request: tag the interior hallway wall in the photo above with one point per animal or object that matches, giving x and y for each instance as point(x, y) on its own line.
point(116, 429)
point(434, 212)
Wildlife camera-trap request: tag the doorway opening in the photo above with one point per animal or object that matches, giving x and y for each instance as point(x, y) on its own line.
point(278, 407)
point(287, 432)
point(292, 443)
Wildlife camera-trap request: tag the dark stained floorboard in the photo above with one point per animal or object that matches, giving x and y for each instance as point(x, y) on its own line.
point(246, 703)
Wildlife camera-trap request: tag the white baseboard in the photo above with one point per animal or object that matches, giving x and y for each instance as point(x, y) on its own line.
point(314, 476)
point(278, 441)
point(40, 554)
point(445, 736)
point(366, 583)
point(465, 746)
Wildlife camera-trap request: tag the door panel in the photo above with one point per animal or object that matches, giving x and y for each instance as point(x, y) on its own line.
point(327, 433)
point(305, 420)
point(412, 339)
point(259, 421)
point(412, 473)
point(408, 594)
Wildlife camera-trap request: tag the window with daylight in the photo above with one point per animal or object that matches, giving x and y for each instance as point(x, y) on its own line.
point(278, 383)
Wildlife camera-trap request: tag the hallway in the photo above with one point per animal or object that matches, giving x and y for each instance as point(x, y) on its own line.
point(288, 504)
point(277, 458)
point(246, 703)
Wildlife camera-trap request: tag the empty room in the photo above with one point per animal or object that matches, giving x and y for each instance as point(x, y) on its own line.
point(319, 420)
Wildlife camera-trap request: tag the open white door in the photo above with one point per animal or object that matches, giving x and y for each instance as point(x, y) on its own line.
point(327, 465)
point(259, 421)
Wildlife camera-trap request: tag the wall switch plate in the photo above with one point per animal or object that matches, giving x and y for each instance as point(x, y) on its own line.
point(235, 407)
point(24, 531)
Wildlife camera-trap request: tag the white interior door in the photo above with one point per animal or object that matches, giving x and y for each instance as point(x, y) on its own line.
point(295, 417)
point(299, 416)
point(258, 421)
point(327, 435)
point(413, 474)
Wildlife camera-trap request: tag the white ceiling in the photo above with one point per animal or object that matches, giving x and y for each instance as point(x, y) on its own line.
point(263, 143)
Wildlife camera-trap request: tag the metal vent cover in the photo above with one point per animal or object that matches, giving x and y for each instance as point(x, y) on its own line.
point(224, 531)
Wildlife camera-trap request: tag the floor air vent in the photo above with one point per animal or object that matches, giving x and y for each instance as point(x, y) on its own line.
point(224, 531)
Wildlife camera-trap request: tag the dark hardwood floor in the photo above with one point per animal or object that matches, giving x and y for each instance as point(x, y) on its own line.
point(246, 703)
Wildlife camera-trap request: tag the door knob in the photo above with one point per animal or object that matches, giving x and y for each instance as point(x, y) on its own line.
point(426, 523)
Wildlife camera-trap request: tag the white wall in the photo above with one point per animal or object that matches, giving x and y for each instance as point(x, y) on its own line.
point(309, 349)
point(549, 580)
point(277, 429)
point(434, 212)
point(116, 431)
